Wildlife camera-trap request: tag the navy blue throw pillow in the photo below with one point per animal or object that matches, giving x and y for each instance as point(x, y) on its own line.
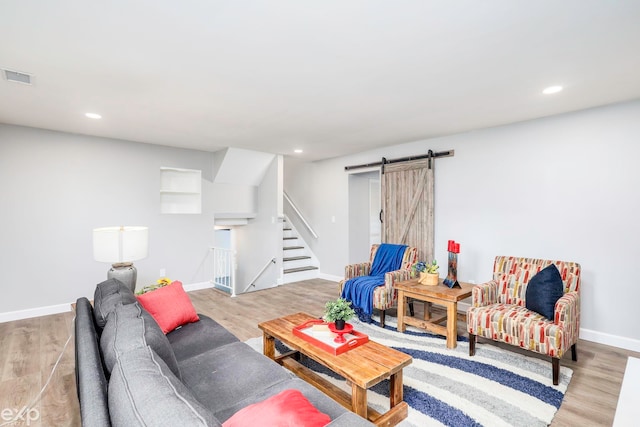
point(544, 290)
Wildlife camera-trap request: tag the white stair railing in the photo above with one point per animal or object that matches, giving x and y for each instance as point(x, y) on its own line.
point(253, 282)
point(224, 269)
point(299, 214)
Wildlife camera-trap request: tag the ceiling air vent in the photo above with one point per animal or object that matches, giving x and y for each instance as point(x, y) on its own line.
point(17, 77)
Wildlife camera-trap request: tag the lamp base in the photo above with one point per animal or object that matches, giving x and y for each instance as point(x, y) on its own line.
point(125, 272)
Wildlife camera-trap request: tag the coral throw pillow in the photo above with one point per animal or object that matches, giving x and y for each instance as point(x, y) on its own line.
point(170, 306)
point(288, 408)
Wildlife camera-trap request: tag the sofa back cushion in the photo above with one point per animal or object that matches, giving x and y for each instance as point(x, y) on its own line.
point(144, 392)
point(130, 327)
point(513, 274)
point(107, 295)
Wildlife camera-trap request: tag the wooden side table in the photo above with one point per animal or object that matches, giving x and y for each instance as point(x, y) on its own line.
point(439, 295)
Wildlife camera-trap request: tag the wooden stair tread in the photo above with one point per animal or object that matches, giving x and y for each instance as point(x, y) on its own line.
point(286, 248)
point(295, 270)
point(289, 238)
point(295, 258)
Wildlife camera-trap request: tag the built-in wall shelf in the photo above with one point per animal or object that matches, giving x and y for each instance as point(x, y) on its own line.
point(180, 191)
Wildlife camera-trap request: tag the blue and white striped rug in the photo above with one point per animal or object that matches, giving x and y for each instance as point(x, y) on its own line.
point(447, 387)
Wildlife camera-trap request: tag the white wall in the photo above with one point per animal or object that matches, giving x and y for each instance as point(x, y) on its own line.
point(235, 200)
point(320, 191)
point(57, 187)
point(562, 187)
point(359, 215)
point(302, 195)
point(261, 239)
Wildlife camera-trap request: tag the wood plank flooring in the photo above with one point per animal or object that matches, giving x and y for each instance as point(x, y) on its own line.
point(29, 348)
point(28, 351)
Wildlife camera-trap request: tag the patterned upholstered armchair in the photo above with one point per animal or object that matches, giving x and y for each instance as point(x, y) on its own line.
point(384, 297)
point(498, 310)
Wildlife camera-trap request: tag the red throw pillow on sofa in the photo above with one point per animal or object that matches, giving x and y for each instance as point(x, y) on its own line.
point(288, 408)
point(170, 306)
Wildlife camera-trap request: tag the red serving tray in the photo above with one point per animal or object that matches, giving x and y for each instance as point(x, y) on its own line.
point(356, 340)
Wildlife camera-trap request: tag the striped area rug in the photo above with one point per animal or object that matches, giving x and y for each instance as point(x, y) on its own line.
point(446, 387)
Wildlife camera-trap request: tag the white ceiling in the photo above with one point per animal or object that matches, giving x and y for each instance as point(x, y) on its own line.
point(331, 77)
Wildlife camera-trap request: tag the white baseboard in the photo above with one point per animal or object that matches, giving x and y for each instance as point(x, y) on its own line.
point(608, 339)
point(198, 286)
point(330, 277)
point(34, 312)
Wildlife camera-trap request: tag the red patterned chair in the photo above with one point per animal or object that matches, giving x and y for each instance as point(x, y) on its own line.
point(498, 310)
point(384, 297)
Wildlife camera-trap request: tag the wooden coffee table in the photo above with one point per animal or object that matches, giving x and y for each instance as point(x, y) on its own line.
point(440, 295)
point(362, 367)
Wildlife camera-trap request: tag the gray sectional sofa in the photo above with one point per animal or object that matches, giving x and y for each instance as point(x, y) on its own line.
point(129, 373)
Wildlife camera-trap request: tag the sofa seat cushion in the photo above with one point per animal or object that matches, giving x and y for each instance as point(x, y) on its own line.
point(518, 326)
point(320, 401)
point(107, 296)
point(196, 338)
point(144, 392)
point(130, 327)
point(287, 408)
point(170, 306)
point(225, 375)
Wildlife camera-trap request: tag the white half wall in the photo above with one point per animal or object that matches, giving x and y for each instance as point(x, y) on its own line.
point(261, 239)
point(562, 187)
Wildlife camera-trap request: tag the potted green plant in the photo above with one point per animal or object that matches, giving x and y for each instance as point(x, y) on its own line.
point(428, 272)
point(338, 312)
point(161, 282)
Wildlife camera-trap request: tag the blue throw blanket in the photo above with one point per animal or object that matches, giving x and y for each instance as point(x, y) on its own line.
point(359, 290)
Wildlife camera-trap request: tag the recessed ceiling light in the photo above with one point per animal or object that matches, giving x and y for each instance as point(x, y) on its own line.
point(552, 89)
point(93, 115)
point(297, 151)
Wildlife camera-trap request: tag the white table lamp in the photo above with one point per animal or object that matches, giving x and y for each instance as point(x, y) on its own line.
point(121, 246)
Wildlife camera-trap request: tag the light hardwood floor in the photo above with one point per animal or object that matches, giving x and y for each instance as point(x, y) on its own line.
point(29, 349)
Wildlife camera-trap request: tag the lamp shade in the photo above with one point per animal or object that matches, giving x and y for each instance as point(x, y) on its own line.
point(120, 244)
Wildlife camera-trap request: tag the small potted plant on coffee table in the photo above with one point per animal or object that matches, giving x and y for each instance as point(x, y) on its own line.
point(338, 312)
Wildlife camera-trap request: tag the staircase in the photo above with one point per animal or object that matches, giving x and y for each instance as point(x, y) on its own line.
point(297, 260)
